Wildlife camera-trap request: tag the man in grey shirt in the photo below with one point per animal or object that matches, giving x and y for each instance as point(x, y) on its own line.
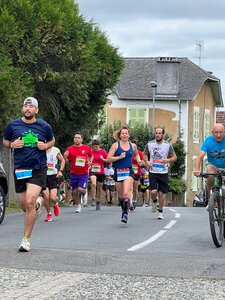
point(158, 154)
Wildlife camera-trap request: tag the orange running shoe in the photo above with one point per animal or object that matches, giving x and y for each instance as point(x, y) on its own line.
point(48, 218)
point(56, 209)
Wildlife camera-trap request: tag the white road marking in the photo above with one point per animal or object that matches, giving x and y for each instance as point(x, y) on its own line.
point(177, 215)
point(147, 242)
point(170, 224)
point(157, 235)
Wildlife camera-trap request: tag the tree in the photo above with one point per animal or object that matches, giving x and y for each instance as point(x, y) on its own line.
point(178, 168)
point(49, 51)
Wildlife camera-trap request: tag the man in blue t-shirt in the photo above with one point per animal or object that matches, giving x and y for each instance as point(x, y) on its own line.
point(214, 147)
point(29, 138)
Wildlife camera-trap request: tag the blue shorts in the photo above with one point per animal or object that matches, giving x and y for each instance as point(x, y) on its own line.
point(78, 181)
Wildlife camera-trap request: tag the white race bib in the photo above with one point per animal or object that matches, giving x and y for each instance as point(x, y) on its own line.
point(80, 161)
point(96, 168)
point(123, 174)
point(23, 173)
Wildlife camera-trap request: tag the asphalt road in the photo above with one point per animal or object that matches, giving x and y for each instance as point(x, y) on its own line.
point(92, 255)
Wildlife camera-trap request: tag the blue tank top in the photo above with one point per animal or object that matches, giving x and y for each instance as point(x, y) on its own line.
point(125, 162)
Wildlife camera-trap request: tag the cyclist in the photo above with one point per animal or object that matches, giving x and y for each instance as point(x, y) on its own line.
point(214, 147)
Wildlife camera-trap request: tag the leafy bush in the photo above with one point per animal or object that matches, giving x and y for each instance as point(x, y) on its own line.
point(177, 185)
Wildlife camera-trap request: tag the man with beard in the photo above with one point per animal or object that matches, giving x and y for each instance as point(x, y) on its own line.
point(29, 138)
point(158, 154)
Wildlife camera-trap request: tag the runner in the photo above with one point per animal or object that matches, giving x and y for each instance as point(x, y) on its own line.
point(144, 186)
point(97, 173)
point(137, 174)
point(29, 138)
point(80, 157)
point(53, 174)
point(158, 154)
point(120, 154)
point(109, 183)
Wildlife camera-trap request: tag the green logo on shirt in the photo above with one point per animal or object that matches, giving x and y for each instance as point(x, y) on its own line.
point(30, 139)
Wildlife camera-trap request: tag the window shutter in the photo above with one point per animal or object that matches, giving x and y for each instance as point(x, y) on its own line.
point(137, 115)
point(206, 123)
point(196, 125)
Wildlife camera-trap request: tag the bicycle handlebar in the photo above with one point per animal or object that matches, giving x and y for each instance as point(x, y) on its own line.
point(218, 174)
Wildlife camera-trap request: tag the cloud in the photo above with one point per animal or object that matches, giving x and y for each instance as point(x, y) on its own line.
point(163, 28)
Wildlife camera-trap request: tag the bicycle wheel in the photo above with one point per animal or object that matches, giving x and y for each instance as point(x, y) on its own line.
point(216, 218)
point(2, 204)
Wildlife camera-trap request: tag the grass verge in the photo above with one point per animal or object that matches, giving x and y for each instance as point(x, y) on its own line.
point(12, 207)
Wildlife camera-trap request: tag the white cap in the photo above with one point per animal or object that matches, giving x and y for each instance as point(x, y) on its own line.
point(31, 100)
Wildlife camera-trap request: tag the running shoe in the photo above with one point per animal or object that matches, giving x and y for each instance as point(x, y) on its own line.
point(93, 203)
point(56, 209)
point(146, 204)
point(48, 218)
point(124, 218)
point(98, 205)
point(39, 201)
point(134, 204)
point(78, 208)
point(154, 207)
point(131, 207)
point(71, 202)
point(160, 216)
point(24, 246)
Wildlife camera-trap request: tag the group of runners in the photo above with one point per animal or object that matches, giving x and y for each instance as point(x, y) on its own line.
point(38, 165)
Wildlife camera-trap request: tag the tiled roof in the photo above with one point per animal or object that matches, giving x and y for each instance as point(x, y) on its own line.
point(177, 78)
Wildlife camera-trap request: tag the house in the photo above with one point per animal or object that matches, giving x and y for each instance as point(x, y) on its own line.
point(220, 116)
point(184, 102)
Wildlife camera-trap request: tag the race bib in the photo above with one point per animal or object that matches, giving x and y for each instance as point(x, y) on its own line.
point(123, 174)
point(158, 165)
point(96, 168)
point(51, 166)
point(80, 162)
point(23, 173)
point(109, 182)
point(135, 168)
point(146, 182)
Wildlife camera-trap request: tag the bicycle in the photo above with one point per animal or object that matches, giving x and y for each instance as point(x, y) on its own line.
point(216, 208)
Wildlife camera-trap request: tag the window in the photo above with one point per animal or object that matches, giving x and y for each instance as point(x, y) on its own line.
point(196, 125)
point(206, 123)
point(137, 114)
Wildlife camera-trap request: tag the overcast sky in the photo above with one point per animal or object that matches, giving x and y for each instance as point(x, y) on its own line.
point(164, 28)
